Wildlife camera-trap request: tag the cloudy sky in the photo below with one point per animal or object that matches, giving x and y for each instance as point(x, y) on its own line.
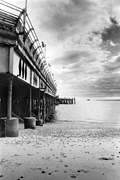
point(82, 40)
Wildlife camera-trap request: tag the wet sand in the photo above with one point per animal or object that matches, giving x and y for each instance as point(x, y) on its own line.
point(67, 150)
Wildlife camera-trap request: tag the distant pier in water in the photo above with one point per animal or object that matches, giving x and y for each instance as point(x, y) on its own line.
point(65, 100)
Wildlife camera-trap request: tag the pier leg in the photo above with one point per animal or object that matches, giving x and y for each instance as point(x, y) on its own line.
point(30, 106)
point(47, 110)
point(43, 107)
point(12, 124)
point(39, 106)
point(30, 122)
point(9, 100)
point(39, 122)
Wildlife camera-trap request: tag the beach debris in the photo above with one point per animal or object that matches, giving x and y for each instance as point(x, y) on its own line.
point(87, 152)
point(65, 171)
point(16, 155)
point(56, 170)
point(82, 170)
point(21, 177)
point(73, 176)
point(43, 172)
point(1, 176)
point(30, 154)
point(106, 159)
point(36, 169)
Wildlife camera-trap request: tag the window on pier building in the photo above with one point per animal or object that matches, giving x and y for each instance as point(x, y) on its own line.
point(35, 79)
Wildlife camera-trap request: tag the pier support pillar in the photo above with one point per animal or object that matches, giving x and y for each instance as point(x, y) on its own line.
point(30, 101)
point(39, 106)
point(44, 108)
point(12, 124)
point(9, 99)
point(9, 126)
point(30, 122)
point(39, 122)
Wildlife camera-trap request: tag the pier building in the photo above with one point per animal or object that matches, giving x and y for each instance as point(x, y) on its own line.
point(27, 87)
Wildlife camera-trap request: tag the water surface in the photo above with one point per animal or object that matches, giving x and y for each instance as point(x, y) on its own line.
point(90, 111)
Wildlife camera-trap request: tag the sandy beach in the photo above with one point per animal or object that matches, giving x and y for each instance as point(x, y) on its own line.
point(67, 150)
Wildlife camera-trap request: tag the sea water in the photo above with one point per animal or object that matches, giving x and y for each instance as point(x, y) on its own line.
point(90, 111)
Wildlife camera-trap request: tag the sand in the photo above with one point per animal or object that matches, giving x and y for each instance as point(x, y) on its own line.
point(67, 150)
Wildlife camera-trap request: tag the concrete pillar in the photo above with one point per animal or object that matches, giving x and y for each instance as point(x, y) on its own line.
point(44, 108)
point(10, 60)
point(47, 104)
point(30, 95)
point(9, 98)
point(39, 106)
point(39, 122)
point(30, 101)
point(53, 105)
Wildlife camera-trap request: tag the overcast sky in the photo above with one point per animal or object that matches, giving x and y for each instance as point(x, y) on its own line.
point(82, 40)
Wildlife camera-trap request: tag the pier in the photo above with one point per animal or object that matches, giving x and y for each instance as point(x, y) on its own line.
point(65, 100)
point(27, 87)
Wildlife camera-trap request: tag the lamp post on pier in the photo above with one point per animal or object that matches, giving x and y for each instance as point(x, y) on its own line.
point(24, 19)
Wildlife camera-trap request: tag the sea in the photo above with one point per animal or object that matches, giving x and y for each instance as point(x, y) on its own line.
point(90, 111)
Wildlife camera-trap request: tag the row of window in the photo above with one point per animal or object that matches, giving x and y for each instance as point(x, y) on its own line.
point(24, 74)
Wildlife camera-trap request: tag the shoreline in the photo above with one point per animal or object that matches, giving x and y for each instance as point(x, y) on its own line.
point(67, 150)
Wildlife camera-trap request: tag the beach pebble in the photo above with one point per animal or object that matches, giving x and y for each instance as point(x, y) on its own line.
point(65, 171)
point(43, 171)
point(73, 176)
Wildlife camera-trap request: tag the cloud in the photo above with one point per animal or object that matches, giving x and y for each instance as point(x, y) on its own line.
point(62, 16)
point(84, 35)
